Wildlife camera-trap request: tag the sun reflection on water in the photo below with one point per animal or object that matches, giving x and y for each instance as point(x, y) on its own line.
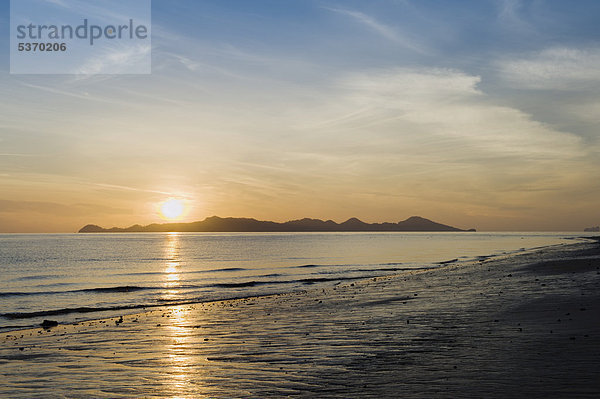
point(172, 267)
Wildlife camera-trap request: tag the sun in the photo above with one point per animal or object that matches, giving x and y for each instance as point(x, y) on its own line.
point(172, 209)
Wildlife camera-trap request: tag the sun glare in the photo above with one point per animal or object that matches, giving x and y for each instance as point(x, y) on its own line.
point(171, 209)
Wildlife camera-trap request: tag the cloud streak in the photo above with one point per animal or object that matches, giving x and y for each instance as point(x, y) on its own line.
point(385, 31)
point(555, 68)
point(115, 61)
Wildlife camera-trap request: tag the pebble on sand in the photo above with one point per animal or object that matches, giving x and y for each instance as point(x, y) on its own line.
point(49, 323)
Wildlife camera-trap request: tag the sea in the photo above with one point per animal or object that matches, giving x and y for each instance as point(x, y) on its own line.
point(70, 278)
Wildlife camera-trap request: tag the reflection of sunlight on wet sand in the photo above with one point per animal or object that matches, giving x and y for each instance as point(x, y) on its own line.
point(179, 363)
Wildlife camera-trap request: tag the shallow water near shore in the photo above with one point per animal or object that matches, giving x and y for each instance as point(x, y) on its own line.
point(74, 277)
point(516, 326)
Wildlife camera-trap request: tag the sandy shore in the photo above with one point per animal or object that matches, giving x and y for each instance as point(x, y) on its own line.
point(522, 326)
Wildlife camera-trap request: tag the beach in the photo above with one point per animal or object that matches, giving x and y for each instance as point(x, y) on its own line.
point(523, 325)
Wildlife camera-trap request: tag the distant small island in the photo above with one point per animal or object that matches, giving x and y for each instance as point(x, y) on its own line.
point(592, 229)
point(218, 224)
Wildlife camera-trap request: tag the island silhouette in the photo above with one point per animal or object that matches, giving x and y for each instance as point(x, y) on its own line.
point(229, 224)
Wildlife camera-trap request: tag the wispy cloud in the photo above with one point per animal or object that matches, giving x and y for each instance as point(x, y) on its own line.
point(60, 92)
point(129, 188)
point(380, 28)
point(53, 208)
point(556, 68)
point(435, 131)
point(509, 12)
point(7, 154)
point(59, 3)
point(117, 60)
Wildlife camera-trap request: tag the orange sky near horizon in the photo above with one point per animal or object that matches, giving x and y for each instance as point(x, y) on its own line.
point(376, 111)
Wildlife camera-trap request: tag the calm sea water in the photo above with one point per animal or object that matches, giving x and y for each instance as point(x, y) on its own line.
point(71, 277)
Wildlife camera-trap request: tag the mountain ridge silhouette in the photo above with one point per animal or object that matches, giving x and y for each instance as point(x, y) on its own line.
point(218, 224)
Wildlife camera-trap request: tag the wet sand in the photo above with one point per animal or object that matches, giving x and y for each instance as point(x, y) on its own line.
point(521, 326)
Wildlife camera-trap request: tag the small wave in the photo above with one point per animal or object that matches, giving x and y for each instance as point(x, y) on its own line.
point(244, 284)
point(15, 327)
point(160, 302)
point(139, 274)
point(326, 280)
point(88, 309)
point(387, 269)
point(373, 270)
point(36, 277)
point(58, 312)
point(7, 294)
point(313, 280)
point(125, 288)
point(446, 262)
point(226, 269)
point(378, 269)
point(348, 265)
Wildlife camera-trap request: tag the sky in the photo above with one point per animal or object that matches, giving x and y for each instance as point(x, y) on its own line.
point(478, 114)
